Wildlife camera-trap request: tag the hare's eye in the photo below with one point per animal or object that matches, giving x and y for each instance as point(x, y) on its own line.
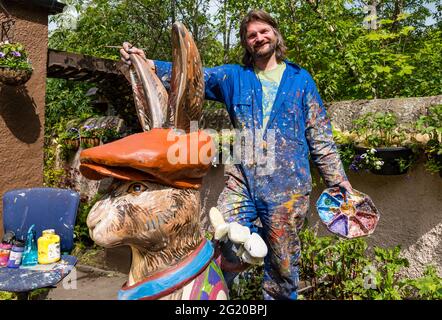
point(136, 188)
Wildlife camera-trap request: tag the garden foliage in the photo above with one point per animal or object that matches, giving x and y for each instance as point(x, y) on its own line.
point(343, 269)
point(352, 51)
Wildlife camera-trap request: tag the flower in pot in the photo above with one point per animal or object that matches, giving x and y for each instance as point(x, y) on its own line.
point(15, 68)
point(344, 141)
point(106, 134)
point(380, 145)
point(88, 137)
point(429, 135)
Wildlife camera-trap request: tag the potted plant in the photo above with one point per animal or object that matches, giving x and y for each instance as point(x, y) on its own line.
point(430, 136)
point(351, 160)
point(15, 68)
point(106, 134)
point(381, 144)
point(88, 137)
point(69, 138)
point(344, 141)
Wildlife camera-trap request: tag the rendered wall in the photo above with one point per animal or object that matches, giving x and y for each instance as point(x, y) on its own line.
point(22, 108)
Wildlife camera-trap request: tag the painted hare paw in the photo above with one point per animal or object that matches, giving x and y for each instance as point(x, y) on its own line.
point(252, 248)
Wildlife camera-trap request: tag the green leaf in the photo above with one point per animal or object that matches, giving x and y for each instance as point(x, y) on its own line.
point(374, 36)
point(381, 69)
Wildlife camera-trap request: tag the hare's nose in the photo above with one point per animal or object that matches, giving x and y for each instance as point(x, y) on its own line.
point(95, 216)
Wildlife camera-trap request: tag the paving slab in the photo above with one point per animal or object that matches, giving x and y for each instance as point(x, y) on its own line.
point(88, 283)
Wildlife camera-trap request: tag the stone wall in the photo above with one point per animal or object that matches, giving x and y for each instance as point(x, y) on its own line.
point(342, 113)
point(407, 110)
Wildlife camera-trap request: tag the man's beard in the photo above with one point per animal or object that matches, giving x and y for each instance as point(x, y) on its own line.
point(259, 54)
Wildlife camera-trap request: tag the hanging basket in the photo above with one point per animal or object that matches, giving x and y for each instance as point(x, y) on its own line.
point(14, 77)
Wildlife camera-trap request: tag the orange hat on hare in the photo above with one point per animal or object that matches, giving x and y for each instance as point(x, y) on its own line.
point(159, 155)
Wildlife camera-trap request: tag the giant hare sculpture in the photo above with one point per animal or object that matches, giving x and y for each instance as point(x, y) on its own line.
point(154, 203)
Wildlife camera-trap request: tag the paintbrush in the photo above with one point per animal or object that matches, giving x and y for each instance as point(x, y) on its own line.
point(121, 47)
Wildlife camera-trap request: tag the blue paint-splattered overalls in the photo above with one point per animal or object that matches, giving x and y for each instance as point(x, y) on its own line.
point(279, 199)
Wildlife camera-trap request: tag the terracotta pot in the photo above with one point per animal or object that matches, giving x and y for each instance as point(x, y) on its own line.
point(14, 77)
point(95, 141)
point(91, 142)
point(390, 156)
point(72, 143)
point(439, 161)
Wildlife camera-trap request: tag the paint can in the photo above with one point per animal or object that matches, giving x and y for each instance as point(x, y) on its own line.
point(5, 247)
point(48, 247)
point(16, 254)
point(5, 250)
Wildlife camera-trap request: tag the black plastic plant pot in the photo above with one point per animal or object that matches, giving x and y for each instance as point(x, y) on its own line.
point(439, 161)
point(390, 157)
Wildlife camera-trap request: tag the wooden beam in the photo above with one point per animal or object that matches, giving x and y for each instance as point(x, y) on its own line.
point(52, 6)
point(73, 66)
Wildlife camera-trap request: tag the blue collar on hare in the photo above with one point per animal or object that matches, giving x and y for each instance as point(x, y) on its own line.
point(165, 282)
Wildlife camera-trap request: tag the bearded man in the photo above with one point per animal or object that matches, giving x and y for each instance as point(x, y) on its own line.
point(278, 102)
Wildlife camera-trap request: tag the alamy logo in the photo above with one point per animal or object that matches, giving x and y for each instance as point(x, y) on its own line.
point(370, 277)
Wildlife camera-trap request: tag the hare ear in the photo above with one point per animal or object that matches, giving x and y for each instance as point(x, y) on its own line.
point(187, 82)
point(149, 94)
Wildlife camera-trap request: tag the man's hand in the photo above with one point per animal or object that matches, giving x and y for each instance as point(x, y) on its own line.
point(347, 186)
point(228, 266)
point(130, 49)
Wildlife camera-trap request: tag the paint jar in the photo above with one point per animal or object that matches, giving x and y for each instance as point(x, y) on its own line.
point(16, 254)
point(5, 247)
point(5, 250)
point(48, 247)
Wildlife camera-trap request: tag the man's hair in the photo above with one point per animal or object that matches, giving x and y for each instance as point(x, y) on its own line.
point(262, 16)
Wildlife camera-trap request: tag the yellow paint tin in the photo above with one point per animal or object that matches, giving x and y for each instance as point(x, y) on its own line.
point(48, 247)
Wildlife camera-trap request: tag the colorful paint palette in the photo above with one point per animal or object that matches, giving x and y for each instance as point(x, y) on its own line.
point(347, 215)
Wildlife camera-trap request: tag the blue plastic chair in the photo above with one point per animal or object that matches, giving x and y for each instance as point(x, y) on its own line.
point(46, 208)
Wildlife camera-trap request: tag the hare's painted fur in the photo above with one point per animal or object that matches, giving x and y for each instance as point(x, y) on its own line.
point(159, 223)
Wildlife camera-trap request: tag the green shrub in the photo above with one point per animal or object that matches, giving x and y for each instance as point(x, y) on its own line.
point(81, 230)
point(345, 269)
point(428, 287)
point(4, 295)
point(248, 285)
